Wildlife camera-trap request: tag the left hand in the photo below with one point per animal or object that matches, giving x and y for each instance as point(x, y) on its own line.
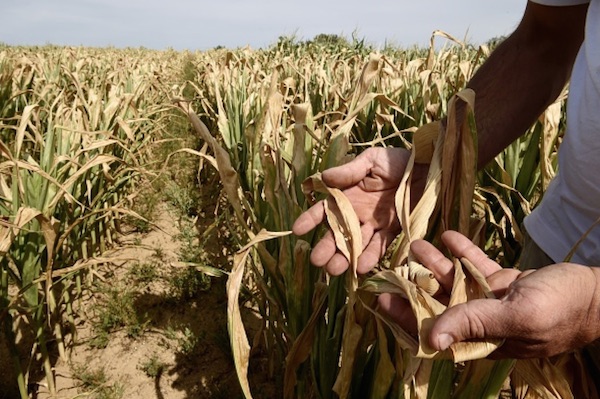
point(539, 313)
point(370, 182)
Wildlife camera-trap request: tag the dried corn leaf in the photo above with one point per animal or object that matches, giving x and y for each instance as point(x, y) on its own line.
point(481, 288)
point(200, 154)
point(385, 371)
point(237, 335)
point(345, 225)
point(228, 174)
point(424, 141)
point(550, 121)
point(303, 344)
point(21, 130)
point(24, 215)
point(426, 309)
point(422, 378)
point(423, 277)
point(414, 224)
point(432, 47)
point(459, 163)
point(540, 378)
point(300, 154)
point(341, 218)
point(350, 340)
point(368, 74)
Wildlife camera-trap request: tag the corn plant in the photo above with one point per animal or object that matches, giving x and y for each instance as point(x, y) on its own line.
point(275, 130)
point(73, 144)
point(271, 120)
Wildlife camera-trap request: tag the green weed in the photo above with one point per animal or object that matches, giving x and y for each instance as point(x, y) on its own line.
point(117, 311)
point(190, 250)
point(187, 283)
point(144, 204)
point(144, 272)
point(152, 366)
point(181, 198)
point(188, 342)
point(95, 383)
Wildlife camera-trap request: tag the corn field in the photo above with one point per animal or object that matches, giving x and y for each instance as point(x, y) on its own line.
point(77, 132)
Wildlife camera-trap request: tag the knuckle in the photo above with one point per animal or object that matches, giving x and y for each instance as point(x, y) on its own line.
point(476, 322)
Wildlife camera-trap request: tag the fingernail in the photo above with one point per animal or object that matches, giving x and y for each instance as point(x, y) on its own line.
point(444, 341)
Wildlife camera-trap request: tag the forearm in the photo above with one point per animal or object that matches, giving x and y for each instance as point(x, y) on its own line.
point(524, 75)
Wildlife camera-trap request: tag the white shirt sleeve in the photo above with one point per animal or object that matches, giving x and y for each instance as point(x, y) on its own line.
point(560, 2)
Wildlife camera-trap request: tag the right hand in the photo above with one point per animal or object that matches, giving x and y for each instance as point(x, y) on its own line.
point(370, 182)
point(538, 313)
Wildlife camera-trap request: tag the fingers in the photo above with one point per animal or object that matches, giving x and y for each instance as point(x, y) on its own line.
point(324, 250)
point(371, 167)
point(434, 260)
point(337, 265)
point(400, 311)
point(502, 279)
point(374, 250)
point(309, 219)
point(349, 174)
point(375, 244)
point(325, 253)
point(461, 247)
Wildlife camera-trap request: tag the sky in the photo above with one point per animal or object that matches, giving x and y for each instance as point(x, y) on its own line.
point(201, 25)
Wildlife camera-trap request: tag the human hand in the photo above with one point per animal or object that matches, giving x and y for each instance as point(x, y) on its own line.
point(539, 313)
point(370, 182)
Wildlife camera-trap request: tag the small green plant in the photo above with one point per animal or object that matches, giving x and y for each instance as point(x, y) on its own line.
point(189, 341)
point(190, 250)
point(159, 253)
point(170, 334)
point(187, 283)
point(116, 311)
point(152, 366)
point(144, 204)
point(183, 341)
point(182, 199)
point(95, 384)
point(100, 339)
point(144, 272)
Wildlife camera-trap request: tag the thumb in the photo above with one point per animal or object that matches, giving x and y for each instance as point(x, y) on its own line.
point(476, 319)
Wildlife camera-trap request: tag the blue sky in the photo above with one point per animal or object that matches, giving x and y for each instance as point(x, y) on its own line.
point(200, 25)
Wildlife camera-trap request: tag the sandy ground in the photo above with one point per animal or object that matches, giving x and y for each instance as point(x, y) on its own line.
point(205, 371)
